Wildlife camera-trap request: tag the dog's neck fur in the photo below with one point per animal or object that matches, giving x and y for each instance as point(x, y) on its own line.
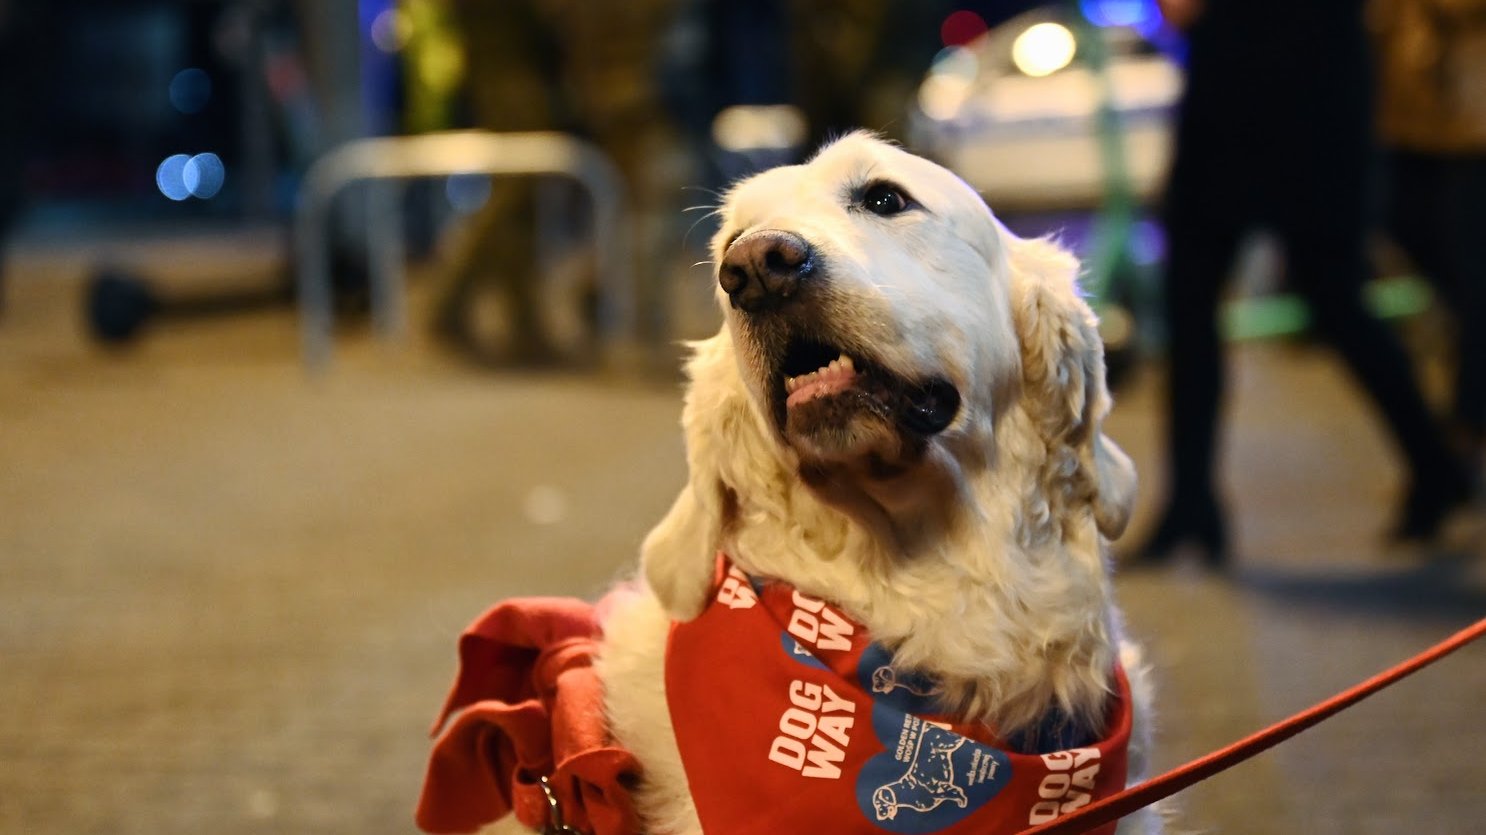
point(975, 580)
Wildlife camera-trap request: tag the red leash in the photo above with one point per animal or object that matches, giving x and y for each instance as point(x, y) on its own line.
point(1138, 797)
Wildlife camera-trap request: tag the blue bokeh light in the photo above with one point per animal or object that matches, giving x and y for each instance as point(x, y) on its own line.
point(190, 90)
point(1144, 16)
point(467, 193)
point(170, 177)
point(203, 175)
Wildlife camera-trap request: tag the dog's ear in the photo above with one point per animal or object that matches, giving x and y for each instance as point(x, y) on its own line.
point(1063, 376)
point(1116, 484)
point(677, 556)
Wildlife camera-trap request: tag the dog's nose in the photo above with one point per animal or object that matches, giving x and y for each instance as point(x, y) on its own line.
point(762, 269)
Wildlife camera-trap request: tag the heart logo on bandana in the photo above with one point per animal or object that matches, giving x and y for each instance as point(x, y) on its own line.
point(907, 691)
point(797, 652)
point(929, 778)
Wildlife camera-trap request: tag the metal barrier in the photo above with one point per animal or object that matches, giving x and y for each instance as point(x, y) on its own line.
point(384, 162)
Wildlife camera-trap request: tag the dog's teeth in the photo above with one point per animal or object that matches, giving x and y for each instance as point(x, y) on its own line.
point(834, 375)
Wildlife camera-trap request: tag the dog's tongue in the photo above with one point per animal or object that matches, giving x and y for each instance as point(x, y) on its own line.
point(829, 379)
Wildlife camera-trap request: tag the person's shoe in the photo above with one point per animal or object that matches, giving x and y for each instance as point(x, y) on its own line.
point(1200, 530)
point(1470, 444)
point(1429, 504)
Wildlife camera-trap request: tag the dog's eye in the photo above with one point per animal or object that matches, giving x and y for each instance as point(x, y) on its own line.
point(884, 199)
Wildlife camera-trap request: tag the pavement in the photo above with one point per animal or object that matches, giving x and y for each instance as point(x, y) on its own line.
point(229, 590)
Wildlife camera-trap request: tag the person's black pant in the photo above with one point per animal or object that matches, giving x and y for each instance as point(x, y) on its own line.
point(1437, 215)
point(1328, 267)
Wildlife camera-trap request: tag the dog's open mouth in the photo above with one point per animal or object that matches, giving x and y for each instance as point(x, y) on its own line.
point(823, 385)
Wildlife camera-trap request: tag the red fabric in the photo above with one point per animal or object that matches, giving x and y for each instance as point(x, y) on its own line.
point(790, 720)
point(528, 703)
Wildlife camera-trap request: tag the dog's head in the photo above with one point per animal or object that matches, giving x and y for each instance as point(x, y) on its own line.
point(860, 290)
point(880, 322)
point(885, 803)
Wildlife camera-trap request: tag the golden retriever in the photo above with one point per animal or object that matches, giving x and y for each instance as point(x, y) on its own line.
point(902, 416)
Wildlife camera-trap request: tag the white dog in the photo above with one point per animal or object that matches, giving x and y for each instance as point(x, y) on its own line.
point(901, 417)
point(881, 602)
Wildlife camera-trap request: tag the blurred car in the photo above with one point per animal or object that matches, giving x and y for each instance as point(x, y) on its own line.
point(1050, 111)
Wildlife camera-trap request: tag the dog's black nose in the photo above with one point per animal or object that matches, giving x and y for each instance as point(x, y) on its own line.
point(762, 269)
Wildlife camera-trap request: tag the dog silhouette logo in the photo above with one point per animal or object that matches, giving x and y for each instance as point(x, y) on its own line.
point(886, 679)
point(929, 780)
point(904, 689)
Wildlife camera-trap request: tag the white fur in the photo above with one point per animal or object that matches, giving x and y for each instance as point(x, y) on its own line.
point(982, 561)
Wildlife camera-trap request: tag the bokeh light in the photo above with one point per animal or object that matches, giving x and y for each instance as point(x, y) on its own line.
point(743, 128)
point(961, 27)
point(203, 175)
point(180, 176)
point(545, 505)
point(1144, 16)
point(467, 193)
point(1147, 243)
point(190, 90)
point(391, 30)
point(956, 61)
point(1043, 49)
point(950, 82)
point(940, 97)
point(170, 177)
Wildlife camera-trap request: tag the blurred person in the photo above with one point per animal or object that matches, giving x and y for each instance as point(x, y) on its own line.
point(608, 71)
point(20, 48)
point(841, 64)
point(532, 65)
point(1275, 130)
point(858, 63)
point(1432, 119)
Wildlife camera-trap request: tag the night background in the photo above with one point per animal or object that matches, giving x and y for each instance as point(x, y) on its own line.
point(324, 324)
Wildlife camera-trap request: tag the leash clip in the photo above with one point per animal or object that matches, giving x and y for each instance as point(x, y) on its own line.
point(554, 826)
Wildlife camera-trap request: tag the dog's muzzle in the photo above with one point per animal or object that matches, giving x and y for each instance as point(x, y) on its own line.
point(763, 269)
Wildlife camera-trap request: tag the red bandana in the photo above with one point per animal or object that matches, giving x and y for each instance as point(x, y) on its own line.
point(790, 720)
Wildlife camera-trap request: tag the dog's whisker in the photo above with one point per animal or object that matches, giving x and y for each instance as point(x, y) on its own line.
point(714, 193)
point(890, 290)
point(714, 213)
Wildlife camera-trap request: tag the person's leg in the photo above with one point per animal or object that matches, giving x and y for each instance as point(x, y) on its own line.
point(512, 87)
point(1200, 255)
point(1415, 218)
point(1464, 220)
point(496, 257)
point(1328, 266)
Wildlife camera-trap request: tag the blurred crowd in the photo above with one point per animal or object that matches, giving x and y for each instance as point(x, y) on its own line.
point(647, 81)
